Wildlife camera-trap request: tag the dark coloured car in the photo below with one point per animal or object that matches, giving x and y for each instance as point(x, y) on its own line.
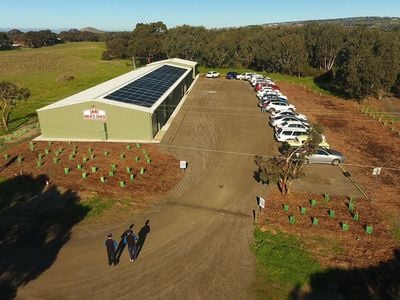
point(231, 75)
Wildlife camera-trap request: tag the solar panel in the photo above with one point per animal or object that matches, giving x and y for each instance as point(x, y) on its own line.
point(148, 89)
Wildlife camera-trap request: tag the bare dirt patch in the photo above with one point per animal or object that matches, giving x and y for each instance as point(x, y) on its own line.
point(160, 171)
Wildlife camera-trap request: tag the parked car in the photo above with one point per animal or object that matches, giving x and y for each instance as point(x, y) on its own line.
point(247, 76)
point(300, 140)
point(278, 121)
point(212, 74)
point(292, 124)
point(326, 156)
point(285, 134)
point(231, 75)
point(241, 76)
point(287, 113)
point(279, 105)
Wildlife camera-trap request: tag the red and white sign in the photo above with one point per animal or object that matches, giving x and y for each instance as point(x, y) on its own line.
point(94, 114)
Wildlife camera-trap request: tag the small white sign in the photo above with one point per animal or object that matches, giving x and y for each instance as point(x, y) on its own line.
point(183, 164)
point(376, 171)
point(261, 202)
point(94, 114)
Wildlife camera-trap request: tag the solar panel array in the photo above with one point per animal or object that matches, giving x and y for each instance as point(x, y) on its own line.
point(146, 90)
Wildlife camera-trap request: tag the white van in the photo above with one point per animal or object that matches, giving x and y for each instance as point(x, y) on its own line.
point(285, 134)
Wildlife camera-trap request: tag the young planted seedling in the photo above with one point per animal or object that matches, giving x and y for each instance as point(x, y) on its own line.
point(19, 159)
point(132, 177)
point(142, 170)
point(90, 150)
point(315, 221)
point(56, 160)
point(71, 157)
point(122, 183)
point(46, 151)
point(369, 229)
point(84, 159)
point(6, 156)
point(292, 219)
point(102, 179)
point(84, 175)
point(313, 202)
point(128, 170)
point(149, 161)
point(92, 156)
point(113, 167)
point(50, 143)
point(356, 216)
point(105, 153)
point(66, 170)
point(128, 147)
point(138, 145)
point(345, 226)
point(303, 210)
point(111, 173)
point(122, 156)
point(286, 207)
point(79, 166)
point(331, 213)
point(39, 163)
point(327, 197)
point(137, 159)
point(94, 169)
point(31, 146)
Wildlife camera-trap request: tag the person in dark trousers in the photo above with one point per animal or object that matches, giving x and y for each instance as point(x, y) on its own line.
point(121, 245)
point(130, 240)
point(144, 231)
point(111, 245)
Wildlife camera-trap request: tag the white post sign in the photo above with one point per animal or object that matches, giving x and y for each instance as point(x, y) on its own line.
point(376, 171)
point(183, 164)
point(261, 202)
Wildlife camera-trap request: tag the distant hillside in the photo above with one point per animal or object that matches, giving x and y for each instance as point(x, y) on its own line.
point(372, 22)
point(92, 29)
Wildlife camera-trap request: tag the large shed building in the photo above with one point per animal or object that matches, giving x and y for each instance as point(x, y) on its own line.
point(131, 107)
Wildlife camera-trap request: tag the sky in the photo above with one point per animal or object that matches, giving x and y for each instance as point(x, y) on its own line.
point(116, 15)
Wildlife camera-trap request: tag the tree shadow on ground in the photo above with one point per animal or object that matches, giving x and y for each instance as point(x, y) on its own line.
point(325, 82)
point(377, 282)
point(35, 223)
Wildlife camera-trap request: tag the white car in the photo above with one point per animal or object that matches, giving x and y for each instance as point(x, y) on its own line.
point(285, 134)
point(279, 121)
point(240, 76)
point(292, 124)
point(287, 113)
point(212, 74)
point(262, 93)
point(278, 105)
point(247, 76)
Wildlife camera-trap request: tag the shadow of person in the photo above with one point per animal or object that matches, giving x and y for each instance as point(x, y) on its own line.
point(144, 231)
point(121, 245)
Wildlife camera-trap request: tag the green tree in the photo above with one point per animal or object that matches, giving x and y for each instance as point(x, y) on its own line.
point(147, 42)
point(10, 94)
point(283, 169)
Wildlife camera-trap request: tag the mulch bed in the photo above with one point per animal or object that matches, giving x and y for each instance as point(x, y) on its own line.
point(366, 143)
point(161, 173)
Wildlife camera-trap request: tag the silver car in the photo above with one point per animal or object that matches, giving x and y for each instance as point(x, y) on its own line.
point(326, 156)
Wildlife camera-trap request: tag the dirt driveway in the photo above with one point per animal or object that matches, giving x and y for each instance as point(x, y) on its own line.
point(198, 246)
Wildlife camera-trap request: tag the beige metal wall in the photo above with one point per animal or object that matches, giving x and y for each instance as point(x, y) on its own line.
point(122, 123)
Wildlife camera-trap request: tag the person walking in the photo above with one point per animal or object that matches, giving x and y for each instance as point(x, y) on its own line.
point(121, 244)
point(111, 245)
point(130, 240)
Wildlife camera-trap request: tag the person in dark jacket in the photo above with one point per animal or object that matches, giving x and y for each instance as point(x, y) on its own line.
point(121, 244)
point(130, 240)
point(111, 245)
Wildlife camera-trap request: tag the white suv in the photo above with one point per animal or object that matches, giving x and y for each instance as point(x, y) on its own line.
point(285, 134)
point(278, 105)
point(212, 74)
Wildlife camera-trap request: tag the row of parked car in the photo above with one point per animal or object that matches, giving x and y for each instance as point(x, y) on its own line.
point(290, 127)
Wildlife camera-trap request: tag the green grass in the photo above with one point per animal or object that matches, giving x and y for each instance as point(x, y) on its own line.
point(306, 81)
point(40, 70)
point(282, 263)
point(96, 206)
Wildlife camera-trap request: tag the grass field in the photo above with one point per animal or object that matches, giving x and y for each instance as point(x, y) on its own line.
point(282, 264)
point(40, 70)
